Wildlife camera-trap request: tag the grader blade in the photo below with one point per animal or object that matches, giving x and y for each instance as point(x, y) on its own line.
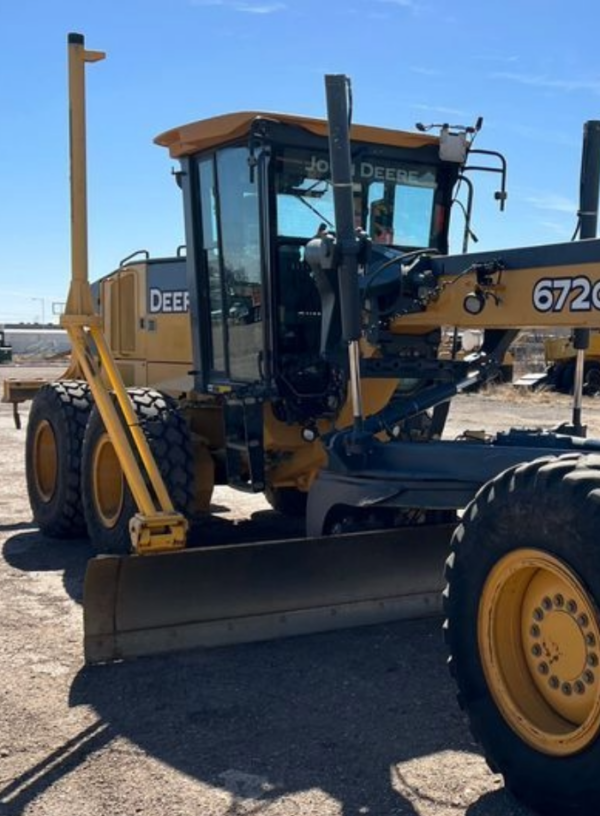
point(148, 605)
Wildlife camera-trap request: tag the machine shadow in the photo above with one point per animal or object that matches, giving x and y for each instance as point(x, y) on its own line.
point(23, 789)
point(262, 525)
point(332, 712)
point(495, 802)
point(31, 551)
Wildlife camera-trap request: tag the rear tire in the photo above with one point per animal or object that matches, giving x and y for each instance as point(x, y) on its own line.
point(287, 500)
point(523, 629)
point(57, 421)
point(107, 500)
point(565, 378)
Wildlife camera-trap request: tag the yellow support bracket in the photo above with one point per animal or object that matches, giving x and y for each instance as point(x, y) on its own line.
point(157, 527)
point(158, 533)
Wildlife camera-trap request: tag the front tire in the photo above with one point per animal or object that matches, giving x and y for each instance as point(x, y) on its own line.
point(107, 500)
point(523, 629)
point(57, 421)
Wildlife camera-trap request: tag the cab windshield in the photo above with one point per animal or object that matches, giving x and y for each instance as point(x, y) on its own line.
point(393, 201)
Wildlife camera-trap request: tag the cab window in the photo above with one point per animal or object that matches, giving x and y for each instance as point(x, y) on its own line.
point(393, 200)
point(232, 260)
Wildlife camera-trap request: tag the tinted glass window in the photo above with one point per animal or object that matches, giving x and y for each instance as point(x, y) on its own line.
point(400, 215)
point(393, 200)
point(302, 206)
point(240, 245)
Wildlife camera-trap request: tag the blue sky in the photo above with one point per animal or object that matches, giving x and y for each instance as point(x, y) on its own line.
point(530, 68)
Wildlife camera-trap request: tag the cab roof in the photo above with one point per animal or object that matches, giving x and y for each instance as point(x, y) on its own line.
point(209, 133)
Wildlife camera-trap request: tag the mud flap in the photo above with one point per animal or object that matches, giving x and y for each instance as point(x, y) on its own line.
point(147, 605)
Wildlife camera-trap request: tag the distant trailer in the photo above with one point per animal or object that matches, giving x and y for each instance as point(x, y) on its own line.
point(36, 342)
point(5, 349)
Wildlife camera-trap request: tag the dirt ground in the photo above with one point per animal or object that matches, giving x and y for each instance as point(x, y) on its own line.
point(356, 722)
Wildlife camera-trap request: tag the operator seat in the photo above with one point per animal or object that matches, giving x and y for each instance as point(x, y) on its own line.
point(299, 307)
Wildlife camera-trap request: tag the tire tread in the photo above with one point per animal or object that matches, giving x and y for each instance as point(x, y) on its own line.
point(68, 403)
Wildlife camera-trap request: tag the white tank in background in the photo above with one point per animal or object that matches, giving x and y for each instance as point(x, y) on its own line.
point(33, 341)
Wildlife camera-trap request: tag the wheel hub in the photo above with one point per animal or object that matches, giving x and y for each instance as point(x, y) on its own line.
point(45, 460)
point(539, 642)
point(107, 482)
point(560, 645)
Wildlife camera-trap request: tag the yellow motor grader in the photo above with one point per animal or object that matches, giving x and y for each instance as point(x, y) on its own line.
point(293, 350)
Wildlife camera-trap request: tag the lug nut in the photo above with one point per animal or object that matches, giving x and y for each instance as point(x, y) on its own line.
point(592, 659)
point(535, 631)
point(579, 687)
point(547, 603)
point(566, 689)
point(588, 676)
point(571, 606)
point(538, 614)
point(554, 682)
point(559, 600)
point(590, 639)
point(536, 650)
point(543, 668)
point(583, 620)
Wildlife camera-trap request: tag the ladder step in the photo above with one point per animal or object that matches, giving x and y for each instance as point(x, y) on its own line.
point(242, 447)
point(243, 444)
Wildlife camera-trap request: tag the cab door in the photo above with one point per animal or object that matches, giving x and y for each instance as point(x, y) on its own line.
point(232, 266)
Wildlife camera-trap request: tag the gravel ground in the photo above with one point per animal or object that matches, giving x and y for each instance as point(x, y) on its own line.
point(355, 722)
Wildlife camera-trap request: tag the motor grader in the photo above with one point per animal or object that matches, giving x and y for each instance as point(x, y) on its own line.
point(560, 358)
point(294, 350)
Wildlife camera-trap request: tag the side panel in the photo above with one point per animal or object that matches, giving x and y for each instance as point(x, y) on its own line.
point(174, 378)
point(167, 313)
point(145, 308)
point(121, 302)
point(167, 326)
point(554, 286)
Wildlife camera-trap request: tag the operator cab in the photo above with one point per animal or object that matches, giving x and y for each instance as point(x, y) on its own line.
point(256, 190)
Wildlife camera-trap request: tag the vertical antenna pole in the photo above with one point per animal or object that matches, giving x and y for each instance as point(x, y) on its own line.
point(79, 301)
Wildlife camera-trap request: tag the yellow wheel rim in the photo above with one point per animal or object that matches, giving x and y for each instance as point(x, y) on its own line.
point(107, 482)
point(539, 641)
point(45, 460)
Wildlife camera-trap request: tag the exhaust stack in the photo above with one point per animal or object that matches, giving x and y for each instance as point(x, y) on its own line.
point(348, 244)
point(588, 223)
